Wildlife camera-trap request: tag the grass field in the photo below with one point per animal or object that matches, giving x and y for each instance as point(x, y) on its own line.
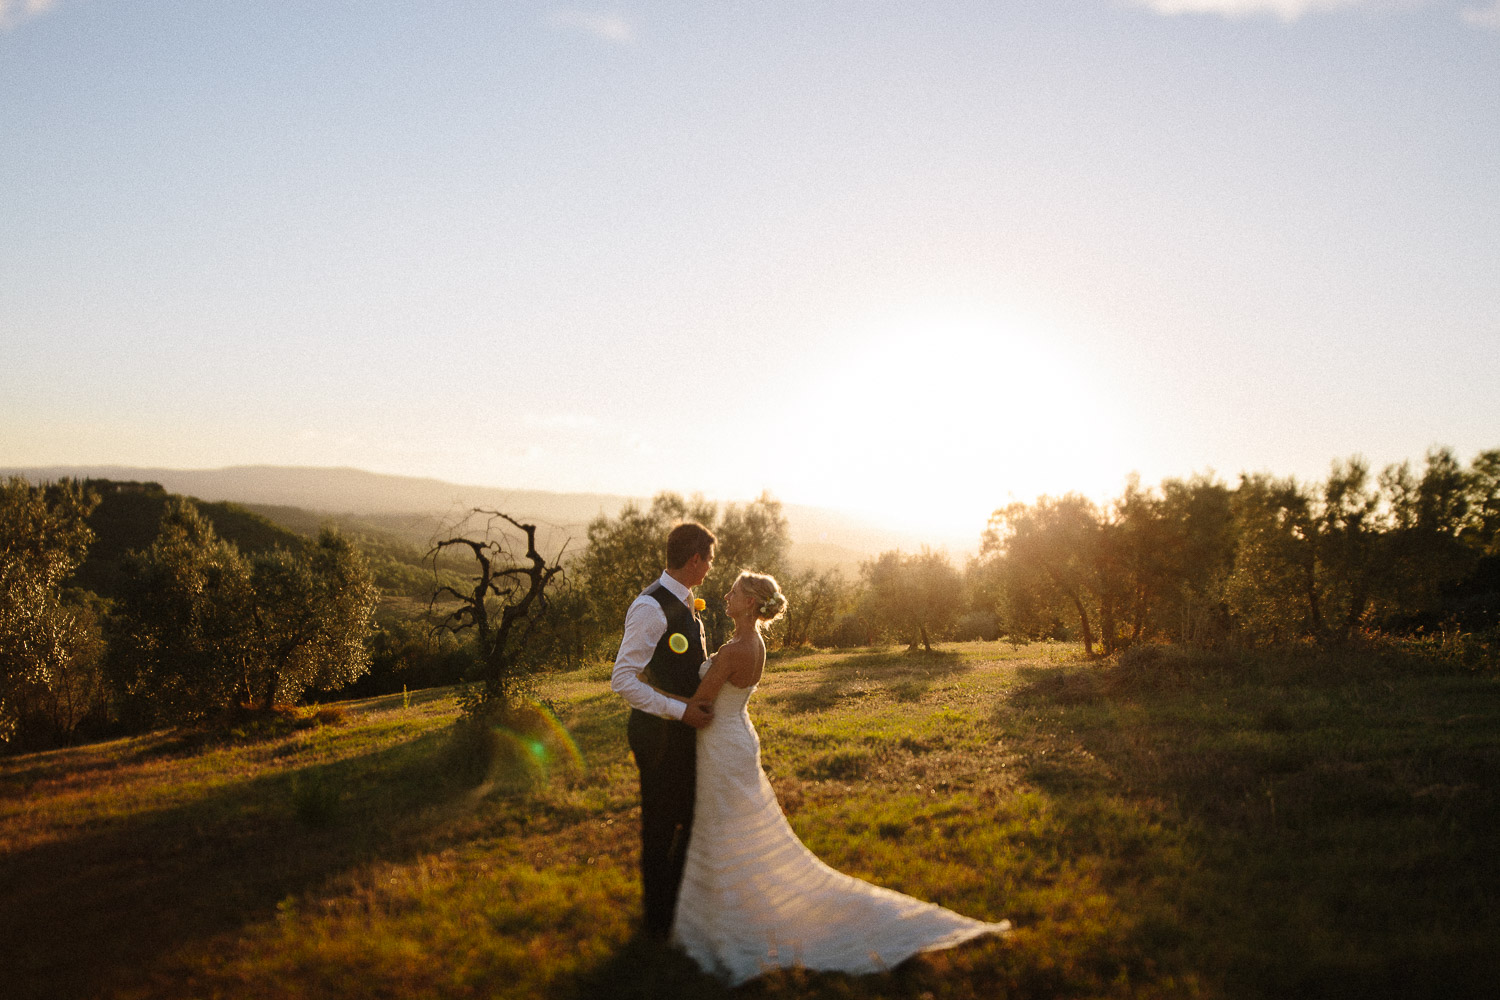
point(1296, 825)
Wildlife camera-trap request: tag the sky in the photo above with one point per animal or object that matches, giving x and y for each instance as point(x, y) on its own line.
point(910, 260)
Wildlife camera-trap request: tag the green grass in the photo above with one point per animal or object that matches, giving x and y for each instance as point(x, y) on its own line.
point(1255, 826)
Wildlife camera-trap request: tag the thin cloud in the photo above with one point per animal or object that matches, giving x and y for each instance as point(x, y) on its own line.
point(14, 12)
point(1483, 17)
point(1287, 10)
point(610, 27)
point(560, 421)
point(1487, 17)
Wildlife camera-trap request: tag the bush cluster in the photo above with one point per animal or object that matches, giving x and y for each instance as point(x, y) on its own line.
point(196, 628)
point(1266, 561)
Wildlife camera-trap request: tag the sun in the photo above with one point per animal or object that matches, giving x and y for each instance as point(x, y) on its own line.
point(940, 414)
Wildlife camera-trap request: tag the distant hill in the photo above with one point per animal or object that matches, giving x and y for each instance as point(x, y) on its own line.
point(129, 516)
point(340, 490)
point(415, 509)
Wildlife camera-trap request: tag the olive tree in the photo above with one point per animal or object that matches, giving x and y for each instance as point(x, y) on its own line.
point(181, 636)
point(915, 596)
point(311, 614)
point(1484, 505)
point(815, 601)
point(1187, 554)
point(200, 628)
point(44, 534)
point(1051, 551)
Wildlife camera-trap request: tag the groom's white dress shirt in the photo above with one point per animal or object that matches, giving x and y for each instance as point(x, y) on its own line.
point(645, 624)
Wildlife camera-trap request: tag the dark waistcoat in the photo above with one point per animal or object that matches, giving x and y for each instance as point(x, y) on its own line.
point(669, 743)
point(674, 672)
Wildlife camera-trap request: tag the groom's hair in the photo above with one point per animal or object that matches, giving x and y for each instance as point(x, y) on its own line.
point(686, 540)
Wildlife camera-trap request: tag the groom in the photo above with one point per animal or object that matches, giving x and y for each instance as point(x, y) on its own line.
point(662, 649)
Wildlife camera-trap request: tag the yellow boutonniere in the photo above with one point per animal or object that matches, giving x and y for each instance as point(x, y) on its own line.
point(699, 604)
point(678, 642)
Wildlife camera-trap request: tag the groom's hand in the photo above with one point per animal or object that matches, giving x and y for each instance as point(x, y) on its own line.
point(698, 714)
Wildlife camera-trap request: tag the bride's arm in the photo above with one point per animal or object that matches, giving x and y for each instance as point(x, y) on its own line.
point(720, 670)
point(696, 713)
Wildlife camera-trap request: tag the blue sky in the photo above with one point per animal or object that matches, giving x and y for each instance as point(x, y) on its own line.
point(913, 260)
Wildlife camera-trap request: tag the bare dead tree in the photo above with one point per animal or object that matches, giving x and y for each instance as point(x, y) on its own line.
point(505, 604)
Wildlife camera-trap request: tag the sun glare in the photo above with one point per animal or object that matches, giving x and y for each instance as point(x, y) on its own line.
point(943, 414)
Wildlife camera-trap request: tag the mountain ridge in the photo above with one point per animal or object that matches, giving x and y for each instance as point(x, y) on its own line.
point(820, 536)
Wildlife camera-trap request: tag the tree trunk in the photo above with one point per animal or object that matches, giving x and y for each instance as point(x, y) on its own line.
point(1083, 625)
point(1357, 602)
point(925, 643)
point(271, 687)
point(1310, 594)
point(1107, 624)
point(1138, 622)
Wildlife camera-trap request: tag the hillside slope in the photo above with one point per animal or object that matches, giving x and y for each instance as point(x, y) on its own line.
point(820, 536)
point(129, 515)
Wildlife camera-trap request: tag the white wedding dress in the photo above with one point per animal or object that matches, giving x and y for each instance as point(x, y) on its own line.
point(753, 898)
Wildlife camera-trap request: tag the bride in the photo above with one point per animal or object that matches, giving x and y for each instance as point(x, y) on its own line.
point(753, 898)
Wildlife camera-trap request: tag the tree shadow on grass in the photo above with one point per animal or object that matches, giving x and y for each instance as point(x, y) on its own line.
point(596, 724)
point(1338, 832)
point(86, 914)
point(83, 761)
point(83, 764)
point(1062, 686)
point(647, 969)
point(387, 702)
point(907, 675)
point(643, 968)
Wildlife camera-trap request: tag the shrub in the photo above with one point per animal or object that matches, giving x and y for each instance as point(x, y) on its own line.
point(406, 652)
point(843, 764)
point(330, 715)
point(509, 745)
point(1445, 649)
point(1151, 666)
point(981, 625)
point(314, 800)
point(851, 630)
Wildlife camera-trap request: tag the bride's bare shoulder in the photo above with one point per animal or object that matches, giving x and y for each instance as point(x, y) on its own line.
point(743, 658)
point(733, 651)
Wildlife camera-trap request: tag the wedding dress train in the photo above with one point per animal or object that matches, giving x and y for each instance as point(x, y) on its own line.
point(753, 898)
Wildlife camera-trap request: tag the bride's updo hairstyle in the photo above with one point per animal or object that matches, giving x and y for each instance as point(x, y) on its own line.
point(770, 602)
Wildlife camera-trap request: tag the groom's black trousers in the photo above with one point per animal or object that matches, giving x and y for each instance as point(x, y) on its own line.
point(666, 756)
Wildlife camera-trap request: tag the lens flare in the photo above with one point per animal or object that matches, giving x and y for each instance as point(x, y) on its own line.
point(534, 745)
